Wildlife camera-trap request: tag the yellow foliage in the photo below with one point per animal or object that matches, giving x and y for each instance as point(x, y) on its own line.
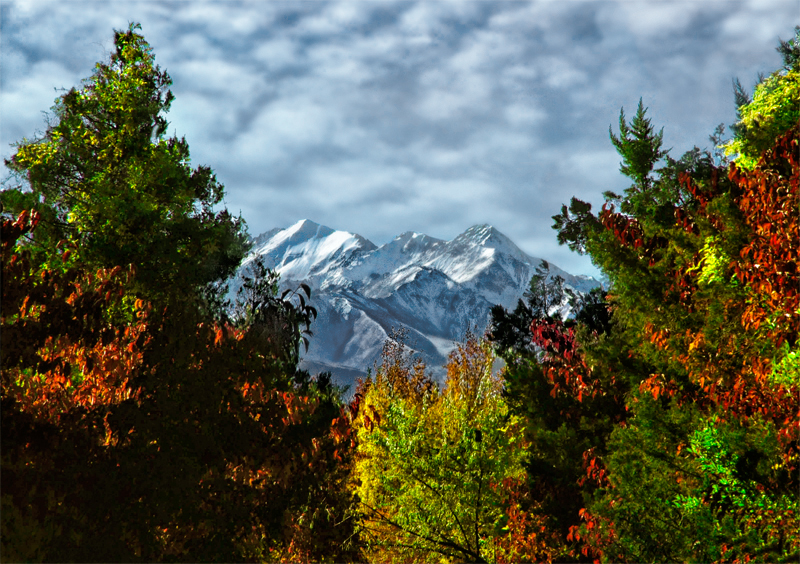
point(432, 463)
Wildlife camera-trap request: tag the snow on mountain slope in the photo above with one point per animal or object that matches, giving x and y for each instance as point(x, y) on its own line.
point(309, 252)
point(436, 289)
point(408, 249)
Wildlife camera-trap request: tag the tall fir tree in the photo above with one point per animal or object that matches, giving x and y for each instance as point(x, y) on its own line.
point(106, 178)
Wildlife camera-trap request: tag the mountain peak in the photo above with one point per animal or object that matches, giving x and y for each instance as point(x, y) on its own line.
point(480, 233)
point(435, 288)
point(412, 241)
point(308, 250)
point(306, 229)
point(484, 235)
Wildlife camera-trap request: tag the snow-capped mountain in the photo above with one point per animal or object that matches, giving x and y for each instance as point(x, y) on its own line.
point(436, 289)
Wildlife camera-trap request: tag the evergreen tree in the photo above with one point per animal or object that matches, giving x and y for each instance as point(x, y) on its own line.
point(664, 422)
point(136, 426)
point(105, 177)
point(703, 325)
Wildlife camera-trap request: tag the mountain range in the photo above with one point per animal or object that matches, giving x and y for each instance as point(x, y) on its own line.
point(433, 288)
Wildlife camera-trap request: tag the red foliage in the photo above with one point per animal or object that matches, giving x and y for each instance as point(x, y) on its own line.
point(768, 264)
point(76, 347)
point(767, 197)
point(733, 377)
point(563, 365)
point(629, 233)
point(527, 536)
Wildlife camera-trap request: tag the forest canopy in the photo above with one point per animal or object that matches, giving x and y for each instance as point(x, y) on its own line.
point(146, 418)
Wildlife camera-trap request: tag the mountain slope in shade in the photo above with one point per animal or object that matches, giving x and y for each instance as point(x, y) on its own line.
point(436, 289)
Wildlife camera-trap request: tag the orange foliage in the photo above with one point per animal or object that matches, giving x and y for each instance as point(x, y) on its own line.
point(400, 373)
point(769, 262)
point(768, 266)
point(733, 374)
point(60, 350)
point(527, 537)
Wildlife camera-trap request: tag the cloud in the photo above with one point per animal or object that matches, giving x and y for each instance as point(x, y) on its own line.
point(383, 117)
point(32, 102)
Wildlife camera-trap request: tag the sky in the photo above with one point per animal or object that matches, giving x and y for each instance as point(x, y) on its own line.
point(380, 117)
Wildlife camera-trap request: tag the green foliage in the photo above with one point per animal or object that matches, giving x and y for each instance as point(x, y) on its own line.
point(546, 294)
point(713, 263)
point(429, 464)
point(696, 359)
point(790, 51)
point(285, 322)
point(639, 146)
point(139, 423)
point(575, 225)
point(202, 434)
point(642, 467)
point(726, 506)
point(105, 177)
point(660, 424)
point(786, 367)
point(773, 109)
point(566, 424)
point(210, 442)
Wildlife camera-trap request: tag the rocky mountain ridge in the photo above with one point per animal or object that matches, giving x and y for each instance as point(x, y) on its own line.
point(436, 289)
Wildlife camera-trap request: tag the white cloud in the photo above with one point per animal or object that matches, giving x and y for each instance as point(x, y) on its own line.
point(561, 73)
point(337, 17)
point(523, 115)
point(339, 63)
point(26, 98)
point(654, 20)
point(236, 82)
point(224, 20)
point(485, 51)
point(277, 53)
point(424, 18)
point(381, 117)
point(190, 46)
point(447, 94)
point(299, 123)
point(183, 119)
point(458, 193)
